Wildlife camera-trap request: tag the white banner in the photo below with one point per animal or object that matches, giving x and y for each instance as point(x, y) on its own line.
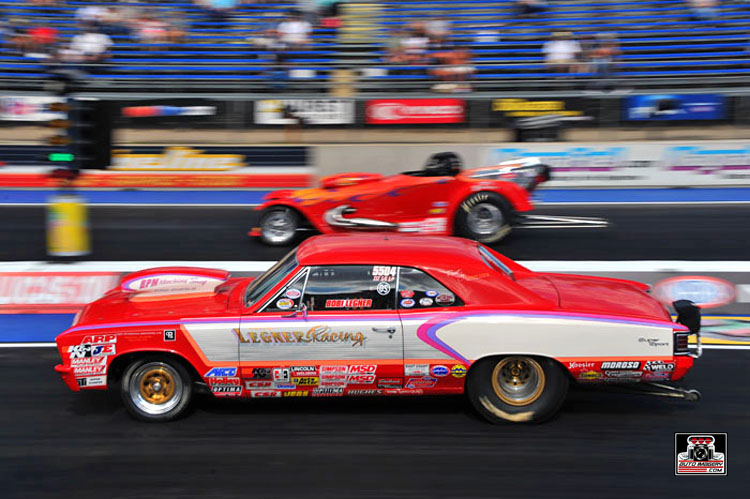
point(637, 164)
point(304, 111)
point(23, 108)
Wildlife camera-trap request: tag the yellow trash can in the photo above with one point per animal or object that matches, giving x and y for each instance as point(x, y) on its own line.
point(67, 226)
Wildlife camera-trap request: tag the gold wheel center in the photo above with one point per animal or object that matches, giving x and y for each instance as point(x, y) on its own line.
point(518, 381)
point(157, 386)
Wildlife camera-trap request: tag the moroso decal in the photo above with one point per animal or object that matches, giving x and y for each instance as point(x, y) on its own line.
point(621, 365)
point(316, 334)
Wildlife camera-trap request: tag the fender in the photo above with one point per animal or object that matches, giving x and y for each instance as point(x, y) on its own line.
point(518, 198)
point(316, 221)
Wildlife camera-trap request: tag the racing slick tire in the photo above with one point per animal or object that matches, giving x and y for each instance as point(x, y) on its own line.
point(485, 217)
point(516, 388)
point(278, 225)
point(156, 389)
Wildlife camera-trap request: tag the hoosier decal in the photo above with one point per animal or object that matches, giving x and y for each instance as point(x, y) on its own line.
point(316, 334)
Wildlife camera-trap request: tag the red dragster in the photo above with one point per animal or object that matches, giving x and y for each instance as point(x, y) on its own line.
point(481, 204)
point(371, 314)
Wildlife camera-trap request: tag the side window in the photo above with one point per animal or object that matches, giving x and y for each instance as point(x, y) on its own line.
point(289, 297)
point(418, 290)
point(351, 287)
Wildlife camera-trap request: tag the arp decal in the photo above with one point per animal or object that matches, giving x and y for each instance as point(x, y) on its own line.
point(316, 334)
point(99, 338)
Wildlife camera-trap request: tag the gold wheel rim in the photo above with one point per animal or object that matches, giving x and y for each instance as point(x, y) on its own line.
point(518, 381)
point(157, 386)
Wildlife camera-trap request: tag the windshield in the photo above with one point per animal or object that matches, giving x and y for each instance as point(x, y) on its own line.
point(493, 262)
point(271, 278)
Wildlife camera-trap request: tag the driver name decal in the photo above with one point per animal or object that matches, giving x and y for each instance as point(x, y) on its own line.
point(316, 334)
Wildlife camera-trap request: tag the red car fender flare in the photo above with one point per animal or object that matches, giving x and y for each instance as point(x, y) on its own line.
point(319, 225)
point(518, 198)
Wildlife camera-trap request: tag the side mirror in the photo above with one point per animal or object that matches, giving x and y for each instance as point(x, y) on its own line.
point(302, 310)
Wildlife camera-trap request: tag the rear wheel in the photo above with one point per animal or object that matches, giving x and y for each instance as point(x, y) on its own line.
point(156, 389)
point(484, 217)
point(517, 389)
point(278, 225)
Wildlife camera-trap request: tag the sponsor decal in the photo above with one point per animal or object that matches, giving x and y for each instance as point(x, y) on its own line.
point(407, 303)
point(416, 111)
point(260, 373)
point(581, 365)
point(37, 292)
point(327, 392)
point(93, 381)
point(306, 381)
point(30, 108)
point(706, 292)
point(416, 369)
point(384, 273)
point(403, 391)
point(623, 374)
point(527, 108)
point(333, 378)
point(284, 303)
point(170, 335)
point(90, 370)
point(224, 381)
point(316, 334)
point(590, 375)
point(285, 386)
point(431, 293)
point(88, 361)
point(365, 392)
point(304, 111)
point(363, 369)
point(656, 376)
point(383, 288)
point(252, 385)
point(332, 384)
point(429, 225)
point(175, 158)
point(425, 302)
point(296, 393)
point(333, 370)
point(621, 365)
point(81, 381)
point(700, 453)
point(439, 371)
point(100, 338)
point(349, 303)
point(445, 299)
point(89, 350)
point(221, 372)
point(675, 107)
point(390, 383)
point(426, 382)
point(361, 379)
point(281, 375)
point(407, 293)
point(226, 390)
point(153, 111)
point(304, 370)
point(458, 371)
point(262, 394)
point(653, 342)
point(172, 283)
point(293, 293)
point(659, 366)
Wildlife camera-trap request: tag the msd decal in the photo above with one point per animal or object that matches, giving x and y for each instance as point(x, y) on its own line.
point(361, 379)
point(362, 369)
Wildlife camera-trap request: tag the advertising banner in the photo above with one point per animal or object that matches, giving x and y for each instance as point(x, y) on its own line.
point(22, 108)
point(675, 107)
point(637, 164)
point(47, 292)
point(508, 110)
point(414, 111)
point(304, 111)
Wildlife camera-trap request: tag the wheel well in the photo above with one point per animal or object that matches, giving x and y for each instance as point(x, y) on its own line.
point(509, 205)
point(121, 362)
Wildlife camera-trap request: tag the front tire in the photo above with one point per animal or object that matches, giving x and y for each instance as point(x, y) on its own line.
point(156, 389)
point(485, 217)
point(278, 226)
point(517, 389)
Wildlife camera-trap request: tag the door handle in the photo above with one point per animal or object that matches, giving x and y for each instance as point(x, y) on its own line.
point(389, 330)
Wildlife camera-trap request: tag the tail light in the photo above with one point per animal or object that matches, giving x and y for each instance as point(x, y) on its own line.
point(681, 343)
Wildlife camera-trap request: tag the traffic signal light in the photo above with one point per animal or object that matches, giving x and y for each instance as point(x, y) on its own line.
point(91, 133)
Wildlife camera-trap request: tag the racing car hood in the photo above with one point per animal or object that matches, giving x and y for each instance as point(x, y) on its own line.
point(600, 295)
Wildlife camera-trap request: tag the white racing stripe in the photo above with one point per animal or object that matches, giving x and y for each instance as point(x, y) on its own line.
point(260, 266)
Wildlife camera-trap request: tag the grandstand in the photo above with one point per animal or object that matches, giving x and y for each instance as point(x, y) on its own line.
point(662, 45)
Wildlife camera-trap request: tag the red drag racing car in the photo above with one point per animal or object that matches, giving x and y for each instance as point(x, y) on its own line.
point(374, 314)
point(481, 204)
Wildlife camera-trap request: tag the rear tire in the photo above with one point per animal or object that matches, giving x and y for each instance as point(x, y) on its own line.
point(517, 389)
point(485, 217)
point(278, 226)
point(156, 389)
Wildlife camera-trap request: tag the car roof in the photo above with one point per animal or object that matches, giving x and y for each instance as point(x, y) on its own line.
point(387, 248)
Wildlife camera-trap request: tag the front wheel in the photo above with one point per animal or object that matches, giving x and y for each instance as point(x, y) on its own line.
point(278, 225)
point(517, 389)
point(484, 217)
point(156, 389)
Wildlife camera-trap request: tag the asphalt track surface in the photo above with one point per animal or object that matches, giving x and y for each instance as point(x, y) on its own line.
point(56, 443)
point(646, 232)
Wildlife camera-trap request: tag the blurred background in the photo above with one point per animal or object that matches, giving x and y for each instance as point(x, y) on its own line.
point(143, 133)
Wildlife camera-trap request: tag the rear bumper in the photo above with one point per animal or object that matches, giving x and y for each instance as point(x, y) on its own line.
point(682, 365)
point(66, 373)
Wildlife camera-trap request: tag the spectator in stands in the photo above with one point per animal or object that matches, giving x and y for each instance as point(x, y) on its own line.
point(294, 32)
point(395, 53)
point(89, 47)
point(704, 10)
point(604, 57)
point(115, 21)
point(89, 16)
point(177, 26)
point(151, 30)
point(438, 30)
point(415, 45)
point(43, 40)
point(529, 7)
point(218, 10)
point(17, 34)
point(452, 66)
point(562, 53)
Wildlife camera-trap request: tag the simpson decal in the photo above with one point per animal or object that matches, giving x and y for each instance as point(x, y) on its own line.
point(316, 334)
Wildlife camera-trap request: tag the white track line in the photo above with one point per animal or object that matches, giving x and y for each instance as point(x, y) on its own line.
point(592, 266)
